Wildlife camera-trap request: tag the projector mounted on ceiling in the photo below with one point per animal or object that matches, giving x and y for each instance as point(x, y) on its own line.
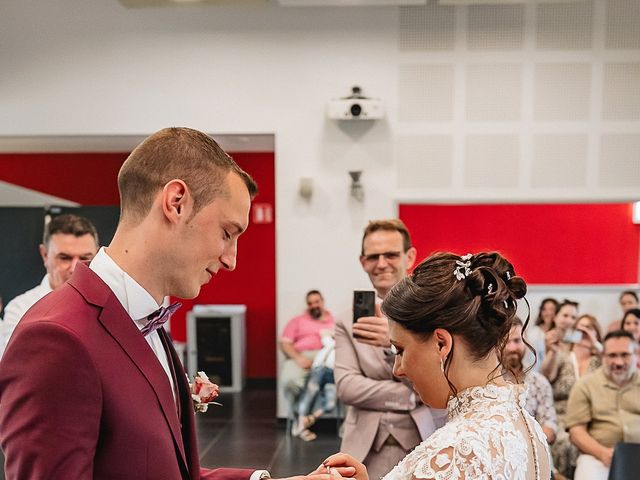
point(355, 107)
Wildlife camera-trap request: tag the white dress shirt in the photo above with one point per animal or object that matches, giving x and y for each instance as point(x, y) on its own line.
point(137, 302)
point(17, 307)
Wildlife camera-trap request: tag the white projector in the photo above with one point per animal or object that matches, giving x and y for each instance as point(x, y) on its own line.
point(355, 109)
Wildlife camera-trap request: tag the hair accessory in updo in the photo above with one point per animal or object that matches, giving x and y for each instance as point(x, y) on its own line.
point(463, 270)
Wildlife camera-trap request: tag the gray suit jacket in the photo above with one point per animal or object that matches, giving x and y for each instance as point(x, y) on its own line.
point(365, 382)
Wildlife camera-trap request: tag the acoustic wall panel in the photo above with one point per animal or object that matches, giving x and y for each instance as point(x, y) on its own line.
point(425, 161)
point(494, 92)
point(622, 24)
point(491, 161)
point(555, 75)
point(562, 91)
point(428, 28)
point(620, 160)
point(426, 93)
point(495, 27)
point(559, 160)
point(621, 91)
point(564, 26)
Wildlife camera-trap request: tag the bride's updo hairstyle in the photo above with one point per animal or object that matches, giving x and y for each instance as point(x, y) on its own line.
point(473, 296)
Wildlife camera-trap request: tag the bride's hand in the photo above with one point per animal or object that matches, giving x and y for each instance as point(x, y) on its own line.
point(334, 472)
point(343, 462)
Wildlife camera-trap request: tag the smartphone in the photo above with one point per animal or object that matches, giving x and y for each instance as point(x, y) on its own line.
point(572, 336)
point(364, 304)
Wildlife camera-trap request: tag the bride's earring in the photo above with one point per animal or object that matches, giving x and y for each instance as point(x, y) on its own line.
point(442, 364)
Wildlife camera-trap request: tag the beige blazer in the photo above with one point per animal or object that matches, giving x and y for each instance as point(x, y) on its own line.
point(365, 382)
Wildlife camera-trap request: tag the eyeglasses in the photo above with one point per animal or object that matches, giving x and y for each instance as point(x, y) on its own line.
point(623, 356)
point(388, 256)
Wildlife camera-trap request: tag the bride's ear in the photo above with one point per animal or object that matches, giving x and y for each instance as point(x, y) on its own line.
point(444, 342)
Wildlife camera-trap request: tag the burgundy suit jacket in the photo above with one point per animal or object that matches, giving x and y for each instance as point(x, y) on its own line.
point(82, 395)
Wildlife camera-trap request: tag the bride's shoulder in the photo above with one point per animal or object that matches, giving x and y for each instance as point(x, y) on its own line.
point(450, 452)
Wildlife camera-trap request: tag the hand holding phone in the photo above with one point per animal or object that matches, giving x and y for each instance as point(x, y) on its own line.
point(572, 336)
point(369, 326)
point(364, 304)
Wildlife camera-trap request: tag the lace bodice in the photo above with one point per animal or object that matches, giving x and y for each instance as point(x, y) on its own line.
point(485, 438)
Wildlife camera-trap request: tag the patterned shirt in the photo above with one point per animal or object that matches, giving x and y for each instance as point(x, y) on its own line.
point(540, 400)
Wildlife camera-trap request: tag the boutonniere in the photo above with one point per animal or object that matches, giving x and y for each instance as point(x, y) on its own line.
point(203, 392)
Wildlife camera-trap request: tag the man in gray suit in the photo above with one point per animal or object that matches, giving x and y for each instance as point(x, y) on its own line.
point(385, 419)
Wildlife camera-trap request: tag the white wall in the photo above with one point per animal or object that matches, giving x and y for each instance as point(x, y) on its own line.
point(79, 67)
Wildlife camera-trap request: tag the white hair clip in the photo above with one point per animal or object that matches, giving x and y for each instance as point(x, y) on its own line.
point(463, 269)
point(490, 289)
point(508, 275)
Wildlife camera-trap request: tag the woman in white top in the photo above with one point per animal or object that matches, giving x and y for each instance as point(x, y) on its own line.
point(535, 334)
point(558, 338)
point(448, 322)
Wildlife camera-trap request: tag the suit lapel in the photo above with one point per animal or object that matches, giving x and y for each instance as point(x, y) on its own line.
point(118, 323)
point(122, 329)
point(185, 402)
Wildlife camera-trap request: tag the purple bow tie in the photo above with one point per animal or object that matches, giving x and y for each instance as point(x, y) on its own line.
point(159, 318)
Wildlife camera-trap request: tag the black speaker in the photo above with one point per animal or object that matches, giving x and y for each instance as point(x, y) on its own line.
point(216, 344)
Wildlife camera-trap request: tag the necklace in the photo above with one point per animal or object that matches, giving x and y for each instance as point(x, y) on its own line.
point(536, 466)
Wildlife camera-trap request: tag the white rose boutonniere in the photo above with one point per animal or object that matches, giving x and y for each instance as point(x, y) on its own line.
point(203, 392)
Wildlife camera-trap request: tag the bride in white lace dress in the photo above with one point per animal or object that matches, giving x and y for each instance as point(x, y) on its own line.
point(448, 323)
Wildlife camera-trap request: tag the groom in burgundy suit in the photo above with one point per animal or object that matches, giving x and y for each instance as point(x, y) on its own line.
point(88, 387)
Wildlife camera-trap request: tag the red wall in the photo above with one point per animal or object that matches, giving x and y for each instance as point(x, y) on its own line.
point(253, 282)
point(90, 179)
point(547, 243)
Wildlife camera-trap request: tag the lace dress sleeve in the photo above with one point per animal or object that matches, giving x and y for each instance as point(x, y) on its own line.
point(470, 458)
point(460, 454)
point(469, 450)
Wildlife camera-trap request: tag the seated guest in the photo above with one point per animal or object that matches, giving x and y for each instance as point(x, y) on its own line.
point(582, 357)
point(563, 322)
point(631, 324)
point(300, 341)
point(604, 408)
point(535, 335)
point(539, 394)
point(628, 301)
point(319, 395)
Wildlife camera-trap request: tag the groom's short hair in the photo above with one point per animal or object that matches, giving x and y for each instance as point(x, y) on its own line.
point(175, 153)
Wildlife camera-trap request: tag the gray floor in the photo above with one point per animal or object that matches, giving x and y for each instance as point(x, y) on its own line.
point(244, 433)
